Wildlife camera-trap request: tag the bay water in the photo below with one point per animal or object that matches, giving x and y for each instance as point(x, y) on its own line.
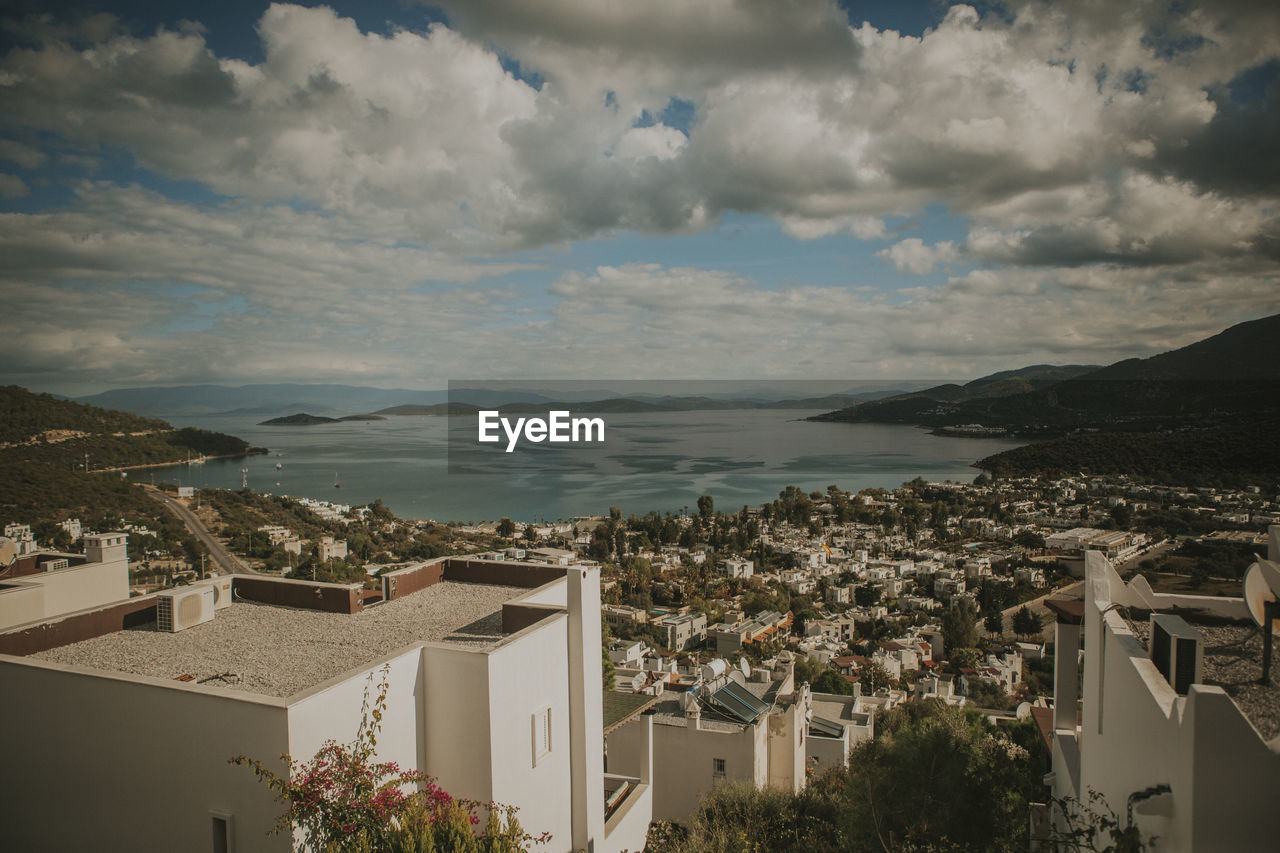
point(649, 461)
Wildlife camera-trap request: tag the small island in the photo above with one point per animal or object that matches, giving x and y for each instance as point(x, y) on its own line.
point(304, 419)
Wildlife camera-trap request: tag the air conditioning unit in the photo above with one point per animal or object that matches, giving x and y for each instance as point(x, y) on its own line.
point(1177, 650)
point(221, 585)
point(177, 610)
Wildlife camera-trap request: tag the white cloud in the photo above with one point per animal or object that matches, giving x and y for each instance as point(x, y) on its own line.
point(368, 176)
point(913, 256)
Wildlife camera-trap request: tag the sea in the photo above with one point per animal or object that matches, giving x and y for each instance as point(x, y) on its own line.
point(648, 461)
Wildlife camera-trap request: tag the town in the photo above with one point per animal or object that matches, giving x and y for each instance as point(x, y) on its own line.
point(759, 646)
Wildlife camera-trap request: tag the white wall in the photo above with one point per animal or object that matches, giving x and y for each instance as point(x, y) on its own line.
point(20, 602)
point(456, 737)
point(101, 762)
point(1137, 732)
point(787, 739)
point(683, 769)
point(524, 677)
point(333, 711)
point(554, 593)
point(63, 591)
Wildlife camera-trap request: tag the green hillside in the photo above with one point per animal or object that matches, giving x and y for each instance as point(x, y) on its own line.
point(48, 441)
point(1232, 376)
point(1225, 456)
point(24, 416)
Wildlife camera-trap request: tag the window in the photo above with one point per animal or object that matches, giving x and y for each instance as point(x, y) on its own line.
point(221, 827)
point(540, 730)
point(717, 766)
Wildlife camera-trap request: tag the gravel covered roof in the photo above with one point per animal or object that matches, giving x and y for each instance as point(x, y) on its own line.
point(279, 651)
point(1233, 661)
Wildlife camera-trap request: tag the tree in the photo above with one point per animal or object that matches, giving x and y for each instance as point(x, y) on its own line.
point(607, 669)
point(994, 622)
point(506, 528)
point(1122, 515)
point(1026, 623)
point(866, 595)
point(873, 677)
point(832, 682)
point(960, 625)
point(706, 507)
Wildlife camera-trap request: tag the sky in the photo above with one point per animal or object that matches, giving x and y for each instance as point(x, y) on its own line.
point(395, 193)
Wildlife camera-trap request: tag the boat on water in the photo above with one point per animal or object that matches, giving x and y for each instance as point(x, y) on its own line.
point(336, 483)
point(279, 465)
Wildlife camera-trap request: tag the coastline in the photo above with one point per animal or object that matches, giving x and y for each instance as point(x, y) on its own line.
point(255, 451)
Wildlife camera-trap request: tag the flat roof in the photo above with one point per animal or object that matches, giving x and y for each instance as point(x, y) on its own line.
point(1233, 661)
point(279, 651)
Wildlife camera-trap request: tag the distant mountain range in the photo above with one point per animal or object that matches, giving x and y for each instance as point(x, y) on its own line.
point(336, 401)
point(1231, 376)
point(280, 398)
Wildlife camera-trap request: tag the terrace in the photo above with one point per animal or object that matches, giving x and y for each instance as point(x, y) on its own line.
point(280, 651)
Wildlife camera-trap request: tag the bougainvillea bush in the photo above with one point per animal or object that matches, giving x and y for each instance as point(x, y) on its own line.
point(344, 800)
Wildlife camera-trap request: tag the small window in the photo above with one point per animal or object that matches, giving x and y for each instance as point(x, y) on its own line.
point(220, 823)
point(717, 766)
point(540, 726)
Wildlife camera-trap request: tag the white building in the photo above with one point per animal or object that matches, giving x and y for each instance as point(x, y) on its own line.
point(46, 584)
point(329, 548)
point(22, 538)
point(1162, 733)
point(494, 688)
point(730, 728)
point(682, 631)
point(836, 726)
point(73, 528)
point(738, 568)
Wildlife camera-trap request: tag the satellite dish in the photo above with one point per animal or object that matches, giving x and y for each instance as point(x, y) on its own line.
point(1262, 587)
point(745, 666)
point(1024, 710)
point(8, 552)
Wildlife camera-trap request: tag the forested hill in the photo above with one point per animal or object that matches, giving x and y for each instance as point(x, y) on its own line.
point(933, 404)
point(41, 428)
point(1224, 379)
point(46, 442)
point(25, 416)
point(1228, 456)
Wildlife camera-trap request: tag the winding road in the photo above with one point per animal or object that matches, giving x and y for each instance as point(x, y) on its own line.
point(226, 562)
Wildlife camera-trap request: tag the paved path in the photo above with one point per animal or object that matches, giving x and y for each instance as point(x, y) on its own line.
point(1037, 606)
point(227, 562)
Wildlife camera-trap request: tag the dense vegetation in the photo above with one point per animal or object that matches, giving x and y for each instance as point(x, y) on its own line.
point(48, 441)
point(1226, 456)
point(935, 777)
point(26, 415)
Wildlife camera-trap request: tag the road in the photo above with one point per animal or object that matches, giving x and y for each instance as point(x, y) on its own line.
point(226, 562)
point(1037, 606)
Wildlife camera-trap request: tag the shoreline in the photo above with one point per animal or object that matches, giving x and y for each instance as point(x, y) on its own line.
point(177, 462)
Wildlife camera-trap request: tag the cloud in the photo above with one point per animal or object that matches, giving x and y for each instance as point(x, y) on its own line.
point(11, 186)
point(21, 155)
point(1130, 218)
point(795, 115)
point(1118, 196)
point(913, 256)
